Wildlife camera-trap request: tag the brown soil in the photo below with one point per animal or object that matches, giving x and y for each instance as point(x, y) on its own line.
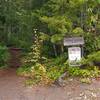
point(15, 57)
point(12, 88)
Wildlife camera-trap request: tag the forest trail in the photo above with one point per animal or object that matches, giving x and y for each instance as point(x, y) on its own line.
point(12, 87)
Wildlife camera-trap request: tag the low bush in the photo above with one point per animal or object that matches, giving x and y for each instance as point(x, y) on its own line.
point(54, 73)
point(92, 43)
point(60, 60)
point(76, 71)
point(94, 57)
point(4, 56)
point(91, 59)
point(24, 71)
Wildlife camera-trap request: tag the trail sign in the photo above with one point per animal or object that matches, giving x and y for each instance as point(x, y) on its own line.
point(74, 50)
point(73, 41)
point(74, 56)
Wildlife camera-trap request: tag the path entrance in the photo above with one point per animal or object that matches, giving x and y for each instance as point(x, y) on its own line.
point(15, 57)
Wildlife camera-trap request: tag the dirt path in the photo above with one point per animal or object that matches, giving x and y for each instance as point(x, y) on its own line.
point(12, 88)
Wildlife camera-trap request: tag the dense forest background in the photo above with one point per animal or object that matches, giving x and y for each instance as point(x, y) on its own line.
point(37, 28)
point(53, 20)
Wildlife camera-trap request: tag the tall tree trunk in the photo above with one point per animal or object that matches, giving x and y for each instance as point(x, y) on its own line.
point(55, 51)
point(9, 32)
point(62, 49)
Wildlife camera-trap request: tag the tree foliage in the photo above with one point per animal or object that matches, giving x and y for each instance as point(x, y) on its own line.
point(55, 18)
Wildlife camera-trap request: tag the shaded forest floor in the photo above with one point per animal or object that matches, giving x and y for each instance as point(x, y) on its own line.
point(12, 87)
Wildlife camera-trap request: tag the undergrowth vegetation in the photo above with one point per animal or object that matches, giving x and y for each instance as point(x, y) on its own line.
point(4, 56)
point(45, 73)
point(49, 71)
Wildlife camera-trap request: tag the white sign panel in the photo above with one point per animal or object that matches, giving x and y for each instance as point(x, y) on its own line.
point(74, 54)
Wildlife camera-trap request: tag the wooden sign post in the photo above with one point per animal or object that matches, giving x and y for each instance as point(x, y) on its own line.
point(75, 50)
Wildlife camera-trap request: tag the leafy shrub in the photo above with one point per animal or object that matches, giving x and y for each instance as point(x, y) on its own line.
point(53, 73)
point(24, 71)
point(94, 57)
point(58, 61)
point(4, 55)
point(39, 74)
point(56, 67)
point(91, 59)
point(34, 56)
point(76, 71)
point(92, 43)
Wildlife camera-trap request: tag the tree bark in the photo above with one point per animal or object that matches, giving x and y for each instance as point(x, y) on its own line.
point(55, 51)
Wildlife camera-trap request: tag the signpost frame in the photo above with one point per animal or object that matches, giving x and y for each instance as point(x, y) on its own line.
point(75, 50)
